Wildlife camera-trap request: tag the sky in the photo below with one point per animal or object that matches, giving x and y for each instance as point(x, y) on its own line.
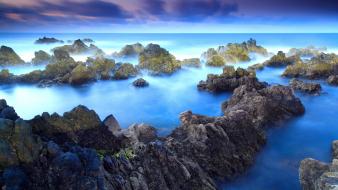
point(166, 16)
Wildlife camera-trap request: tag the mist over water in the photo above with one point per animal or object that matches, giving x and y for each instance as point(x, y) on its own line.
point(159, 104)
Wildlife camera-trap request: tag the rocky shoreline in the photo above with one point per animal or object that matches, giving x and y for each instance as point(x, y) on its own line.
point(79, 151)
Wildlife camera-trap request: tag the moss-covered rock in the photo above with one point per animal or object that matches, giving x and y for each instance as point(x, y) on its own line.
point(41, 57)
point(61, 55)
point(124, 71)
point(281, 60)
point(216, 61)
point(79, 47)
point(192, 62)
point(47, 40)
point(6, 76)
point(81, 74)
point(235, 52)
point(32, 77)
point(158, 60)
point(9, 57)
point(58, 69)
point(130, 50)
point(102, 66)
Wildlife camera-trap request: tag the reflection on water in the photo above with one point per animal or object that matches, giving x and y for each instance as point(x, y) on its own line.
point(159, 105)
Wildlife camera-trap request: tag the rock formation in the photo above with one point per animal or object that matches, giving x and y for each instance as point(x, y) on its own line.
point(307, 87)
point(9, 57)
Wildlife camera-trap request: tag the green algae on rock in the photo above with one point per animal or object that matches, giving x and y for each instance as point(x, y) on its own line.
point(158, 60)
point(130, 50)
point(9, 57)
point(41, 57)
point(79, 47)
point(124, 71)
point(281, 60)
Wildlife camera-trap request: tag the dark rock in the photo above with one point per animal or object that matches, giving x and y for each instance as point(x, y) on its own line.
point(14, 178)
point(125, 71)
point(79, 47)
point(140, 83)
point(6, 77)
point(41, 57)
point(9, 57)
point(112, 124)
point(333, 80)
point(311, 88)
point(9, 113)
point(46, 40)
point(81, 74)
point(229, 80)
point(87, 40)
point(280, 60)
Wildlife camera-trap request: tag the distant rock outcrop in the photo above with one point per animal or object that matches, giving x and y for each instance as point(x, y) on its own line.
point(9, 57)
point(46, 40)
point(41, 57)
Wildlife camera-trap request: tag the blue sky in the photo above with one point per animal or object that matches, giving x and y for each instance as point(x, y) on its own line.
point(220, 16)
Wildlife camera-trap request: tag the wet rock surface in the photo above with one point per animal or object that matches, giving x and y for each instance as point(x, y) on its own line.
point(229, 80)
point(307, 87)
point(140, 83)
point(79, 151)
point(316, 175)
point(281, 60)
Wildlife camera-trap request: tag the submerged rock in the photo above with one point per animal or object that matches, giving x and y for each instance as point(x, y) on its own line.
point(158, 60)
point(233, 53)
point(41, 57)
point(316, 175)
point(229, 80)
point(140, 83)
point(9, 57)
point(46, 40)
point(311, 88)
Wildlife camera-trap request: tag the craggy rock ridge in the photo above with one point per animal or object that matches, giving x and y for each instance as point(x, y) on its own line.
point(79, 47)
point(9, 57)
point(46, 40)
point(232, 53)
point(281, 60)
point(78, 151)
point(307, 87)
point(316, 175)
point(158, 60)
point(309, 51)
point(229, 80)
point(62, 69)
point(319, 67)
point(41, 57)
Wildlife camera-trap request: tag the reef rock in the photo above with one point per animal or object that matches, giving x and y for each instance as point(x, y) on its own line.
point(229, 80)
point(46, 40)
point(158, 60)
point(125, 71)
point(9, 57)
point(41, 57)
point(281, 60)
point(316, 175)
point(140, 83)
point(307, 87)
point(233, 53)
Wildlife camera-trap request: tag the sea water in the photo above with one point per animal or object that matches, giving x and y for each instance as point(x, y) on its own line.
point(276, 166)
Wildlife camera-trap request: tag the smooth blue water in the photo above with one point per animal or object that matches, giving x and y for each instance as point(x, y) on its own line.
point(159, 105)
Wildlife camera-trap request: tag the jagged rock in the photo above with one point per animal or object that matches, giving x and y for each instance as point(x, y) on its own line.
point(192, 62)
point(125, 71)
point(112, 124)
point(309, 51)
point(130, 50)
point(79, 47)
point(311, 88)
point(60, 55)
point(7, 112)
point(140, 83)
point(332, 79)
point(229, 80)
point(41, 57)
point(136, 134)
point(233, 52)
point(281, 60)
point(9, 57)
point(158, 60)
point(102, 66)
point(46, 40)
point(81, 74)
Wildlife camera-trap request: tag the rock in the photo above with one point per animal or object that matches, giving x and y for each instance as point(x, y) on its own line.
point(125, 71)
point(335, 149)
point(7, 112)
point(140, 83)
point(9, 57)
point(81, 74)
point(216, 61)
point(332, 79)
point(136, 134)
point(233, 53)
point(46, 40)
point(158, 60)
point(112, 124)
point(130, 50)
point(102, 66)
point(229, 80)
point(192, 62)
point(311, 88)
point(280, 60)
point(309, 51)
point(41, 57)
point(309, 172)
point(87, 40)
point(60, 55)
point(79, 47)
point(14, 178)
point(257, 66)
point(6, 77)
